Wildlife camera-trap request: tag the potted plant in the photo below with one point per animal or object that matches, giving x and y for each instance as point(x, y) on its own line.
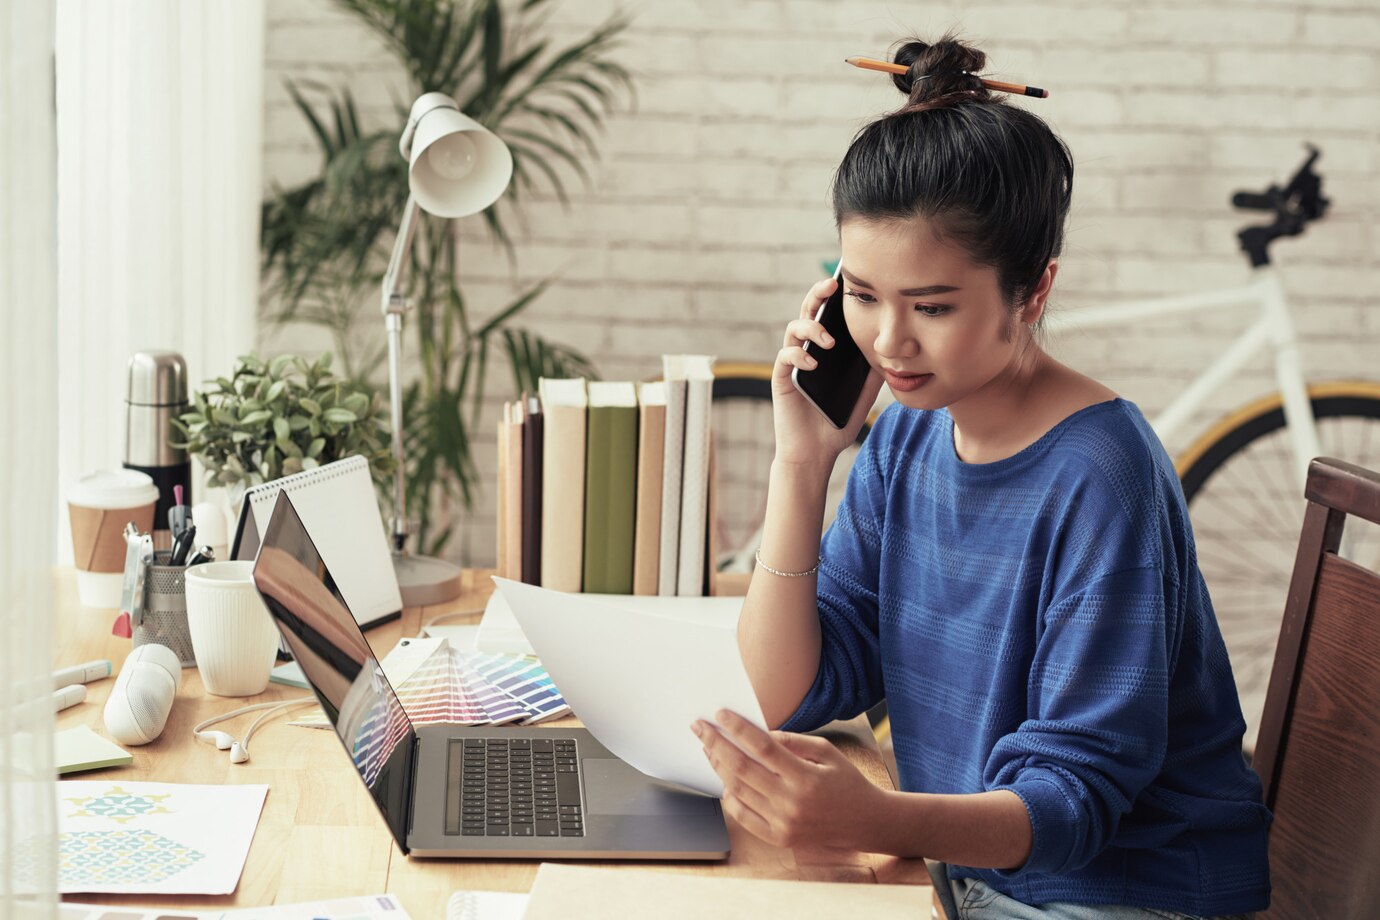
point(326, 242)
point(274, 418)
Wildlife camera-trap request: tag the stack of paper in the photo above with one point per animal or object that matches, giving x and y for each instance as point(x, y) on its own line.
point(80, 748)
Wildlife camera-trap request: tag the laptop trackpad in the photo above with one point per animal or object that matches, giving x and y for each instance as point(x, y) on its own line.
point(614, 788)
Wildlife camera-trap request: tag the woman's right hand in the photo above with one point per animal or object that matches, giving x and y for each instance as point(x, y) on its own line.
point(803, 435)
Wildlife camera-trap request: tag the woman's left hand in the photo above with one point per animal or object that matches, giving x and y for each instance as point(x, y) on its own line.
point(793, 790)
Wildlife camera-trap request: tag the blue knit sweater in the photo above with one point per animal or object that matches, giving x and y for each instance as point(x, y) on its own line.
point(1039, 624)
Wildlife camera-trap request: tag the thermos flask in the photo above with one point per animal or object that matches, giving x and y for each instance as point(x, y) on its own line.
point(157, 394)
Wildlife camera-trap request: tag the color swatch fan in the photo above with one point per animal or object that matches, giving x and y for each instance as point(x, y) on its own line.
point(469, 688)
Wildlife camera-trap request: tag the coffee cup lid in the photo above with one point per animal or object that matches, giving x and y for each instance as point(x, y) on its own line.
point(113, 489)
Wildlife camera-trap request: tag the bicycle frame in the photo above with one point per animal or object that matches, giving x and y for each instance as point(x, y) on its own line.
point(1273, 327)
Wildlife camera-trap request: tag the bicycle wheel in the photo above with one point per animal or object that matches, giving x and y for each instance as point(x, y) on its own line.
point(1247, 507)
point(744, 444)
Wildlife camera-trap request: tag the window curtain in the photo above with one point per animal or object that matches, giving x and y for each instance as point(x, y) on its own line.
point(160, 137)
point(28, 451)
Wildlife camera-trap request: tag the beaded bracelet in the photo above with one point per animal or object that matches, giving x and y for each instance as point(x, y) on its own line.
point(810, 571)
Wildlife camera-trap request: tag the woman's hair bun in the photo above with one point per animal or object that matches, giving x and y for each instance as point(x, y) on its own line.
point(941, 74)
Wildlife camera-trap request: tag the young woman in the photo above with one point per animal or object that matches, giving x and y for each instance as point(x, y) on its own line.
point(1011, 569)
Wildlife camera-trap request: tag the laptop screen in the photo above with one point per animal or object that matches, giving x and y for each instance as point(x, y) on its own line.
point(323, 636)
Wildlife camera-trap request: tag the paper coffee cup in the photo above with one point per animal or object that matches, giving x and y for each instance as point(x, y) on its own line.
point(233, 637)
point(99, 505)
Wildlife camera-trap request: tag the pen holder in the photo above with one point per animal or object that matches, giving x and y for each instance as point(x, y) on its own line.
point(164, 617)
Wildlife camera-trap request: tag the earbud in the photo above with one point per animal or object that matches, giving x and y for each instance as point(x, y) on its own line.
point(221, 740)
point(239, 748)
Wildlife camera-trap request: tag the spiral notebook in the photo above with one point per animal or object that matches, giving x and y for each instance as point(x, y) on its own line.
point(336, 503)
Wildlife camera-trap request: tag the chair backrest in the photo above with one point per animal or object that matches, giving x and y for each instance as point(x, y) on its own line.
point(1318, 753)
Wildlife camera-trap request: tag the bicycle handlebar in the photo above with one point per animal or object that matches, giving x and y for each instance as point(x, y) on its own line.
point(1294, 206)
point(1253, 201)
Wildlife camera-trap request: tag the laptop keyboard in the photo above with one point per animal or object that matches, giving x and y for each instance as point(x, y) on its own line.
point(514, 787)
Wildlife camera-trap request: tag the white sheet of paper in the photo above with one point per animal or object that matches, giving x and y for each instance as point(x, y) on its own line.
point(499, 631)
point(637, 678)
point(371, 907)
point(154, 838)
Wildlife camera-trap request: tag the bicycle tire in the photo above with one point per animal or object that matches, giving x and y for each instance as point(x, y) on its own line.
point(751, 383)
point(744, 445)
point(750, 380)
point(1247, 510)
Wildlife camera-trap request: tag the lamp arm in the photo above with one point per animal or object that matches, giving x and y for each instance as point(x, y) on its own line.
point(394, 307)
point(396, 273)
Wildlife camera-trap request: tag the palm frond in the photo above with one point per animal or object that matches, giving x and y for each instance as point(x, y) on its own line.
point(325, 242)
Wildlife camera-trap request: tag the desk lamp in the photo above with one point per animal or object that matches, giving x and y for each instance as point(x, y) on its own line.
point(456, 168)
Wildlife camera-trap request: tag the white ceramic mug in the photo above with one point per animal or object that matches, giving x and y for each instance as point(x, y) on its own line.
point(233, 636)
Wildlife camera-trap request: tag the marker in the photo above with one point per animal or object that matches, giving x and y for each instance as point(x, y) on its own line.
point(178, 515)
point(68, 696)
point(82, 673)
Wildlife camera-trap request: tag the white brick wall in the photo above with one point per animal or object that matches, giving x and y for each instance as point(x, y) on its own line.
point(708, 216)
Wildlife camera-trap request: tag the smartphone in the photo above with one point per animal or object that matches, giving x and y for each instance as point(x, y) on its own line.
point(836, 383)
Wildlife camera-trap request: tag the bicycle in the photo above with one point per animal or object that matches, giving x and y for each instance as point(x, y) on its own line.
point(1242, 477)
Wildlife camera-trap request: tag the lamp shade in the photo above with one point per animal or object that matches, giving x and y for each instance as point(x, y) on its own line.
point(457, 166)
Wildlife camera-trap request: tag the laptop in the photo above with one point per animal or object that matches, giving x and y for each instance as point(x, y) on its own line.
point(468, 791)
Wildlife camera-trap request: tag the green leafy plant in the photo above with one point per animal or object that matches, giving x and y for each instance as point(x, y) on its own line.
point(326, 242)
point(274, 419)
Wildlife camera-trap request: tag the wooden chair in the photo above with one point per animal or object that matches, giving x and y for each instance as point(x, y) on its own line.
point(1318, 752)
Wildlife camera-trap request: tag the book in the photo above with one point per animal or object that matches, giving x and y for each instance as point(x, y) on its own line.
point(501, 497)
point(532, 439)
point(694, 499)
point(711, 537)
point(512, 505)
point(80, 748)
point(610, 487)
point(651, 453)
point(673, 463)
point(564, 405)
point(583, 892)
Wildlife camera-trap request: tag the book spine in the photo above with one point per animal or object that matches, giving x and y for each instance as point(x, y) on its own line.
point(563, 498)
point(501, 495)
point(513, 505)
point(611, 492)
point(694, 489)
point(651, 447)
point(674, 455)
point(531, 497)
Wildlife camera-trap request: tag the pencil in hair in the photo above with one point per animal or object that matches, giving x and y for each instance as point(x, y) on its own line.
point(889, 67)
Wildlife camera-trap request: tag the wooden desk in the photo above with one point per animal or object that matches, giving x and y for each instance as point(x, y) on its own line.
point(320, 836)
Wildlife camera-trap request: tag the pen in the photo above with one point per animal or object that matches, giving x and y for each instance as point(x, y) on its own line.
point(82, 673)
point(182, 546)
point(68, 696)
point(203, 554)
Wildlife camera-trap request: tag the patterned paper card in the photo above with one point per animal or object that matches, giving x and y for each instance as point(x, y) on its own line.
point(164, 838)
